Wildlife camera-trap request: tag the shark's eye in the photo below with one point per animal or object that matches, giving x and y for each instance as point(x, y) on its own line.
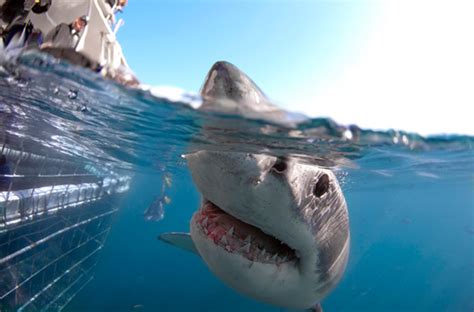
point(280, 165)
point(322, 186)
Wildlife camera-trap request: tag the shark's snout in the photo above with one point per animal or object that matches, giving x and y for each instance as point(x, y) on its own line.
point(224, 69)
point(220, 80)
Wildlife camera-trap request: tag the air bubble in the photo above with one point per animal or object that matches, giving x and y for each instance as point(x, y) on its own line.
point(72, 94)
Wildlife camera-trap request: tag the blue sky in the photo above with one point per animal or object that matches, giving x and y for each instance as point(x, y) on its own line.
point(378, 64)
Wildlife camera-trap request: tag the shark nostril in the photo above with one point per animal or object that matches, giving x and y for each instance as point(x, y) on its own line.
point(280, 165)
point(322, 186)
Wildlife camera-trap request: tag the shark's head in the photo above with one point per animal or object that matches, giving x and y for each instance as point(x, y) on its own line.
point(273, 228)
point(229, 90)
point(226, 82)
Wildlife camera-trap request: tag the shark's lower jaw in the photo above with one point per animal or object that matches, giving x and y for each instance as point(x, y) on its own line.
point(248, 260)
point(236, 236)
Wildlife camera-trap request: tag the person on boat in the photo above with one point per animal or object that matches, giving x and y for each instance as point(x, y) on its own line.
point(121, 5)
point(14, 14)
point(111, 7)
point(117, 5)
point(10, 10)
point(38, 6)
point(66, 35)
point(61, 42)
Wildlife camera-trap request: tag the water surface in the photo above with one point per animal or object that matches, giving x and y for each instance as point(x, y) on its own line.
point(410, 198)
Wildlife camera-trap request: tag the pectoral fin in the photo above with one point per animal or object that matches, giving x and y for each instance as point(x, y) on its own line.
point(180, 240)
point(316, 308)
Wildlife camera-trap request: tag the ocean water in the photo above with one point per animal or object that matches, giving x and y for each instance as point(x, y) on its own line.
point(410, 198)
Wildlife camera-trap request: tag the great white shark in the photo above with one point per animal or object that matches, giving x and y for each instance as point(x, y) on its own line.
point(272, 228)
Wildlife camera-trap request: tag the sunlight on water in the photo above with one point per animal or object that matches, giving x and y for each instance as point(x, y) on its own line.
point(410, 198)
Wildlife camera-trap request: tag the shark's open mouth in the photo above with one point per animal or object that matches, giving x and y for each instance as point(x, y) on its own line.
point(236, 236)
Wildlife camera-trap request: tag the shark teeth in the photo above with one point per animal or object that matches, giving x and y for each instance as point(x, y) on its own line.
point(235, 240)
point(223, 240)
point(245, 248)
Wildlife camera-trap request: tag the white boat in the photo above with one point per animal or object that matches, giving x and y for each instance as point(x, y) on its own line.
point(98, 42)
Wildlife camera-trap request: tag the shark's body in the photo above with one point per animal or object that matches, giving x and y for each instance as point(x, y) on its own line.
point(272, 228)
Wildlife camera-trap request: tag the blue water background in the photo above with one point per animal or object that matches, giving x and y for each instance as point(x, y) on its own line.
point(411, 200)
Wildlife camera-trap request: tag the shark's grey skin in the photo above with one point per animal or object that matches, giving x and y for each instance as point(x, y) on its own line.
point(272, 228)
point(228, 90)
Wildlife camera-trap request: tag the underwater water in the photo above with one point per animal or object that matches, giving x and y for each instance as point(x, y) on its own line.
point(410, 198)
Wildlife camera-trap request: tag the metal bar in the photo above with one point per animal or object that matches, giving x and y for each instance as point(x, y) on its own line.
point(54, 261)
point(23, 182)
point(17, 197)
point(54, 175)
point(74, 294)
point(47, 238)
point(11, 153)
point(42, 165)
point(66, 289)
point(84, 232)
point(18, 162)
point(33, 298)
point(25, 236)
point(25, 224)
